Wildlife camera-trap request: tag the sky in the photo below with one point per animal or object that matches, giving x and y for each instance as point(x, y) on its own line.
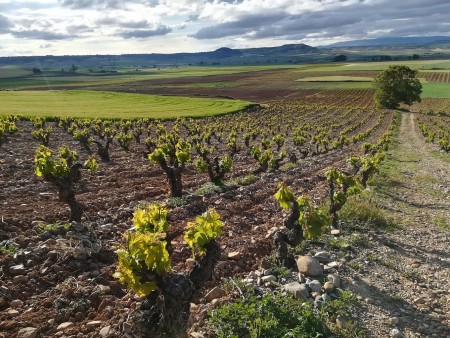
point(80, 27)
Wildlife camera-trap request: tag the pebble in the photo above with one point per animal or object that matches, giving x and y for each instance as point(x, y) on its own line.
point(297, 290)
point(395, 333)
point(328, 287)
point(20, 279)
point(335, 279)
point(28, 332)
point(215, 293)
point(315, 286)
point(17, 269)
point(394, 321)
point(269, 278)
point(190, 262)
point(323, 257)
point(63, 326)
point(16, 304)
point(235, 255)
point(93, 324)
point(107, 331)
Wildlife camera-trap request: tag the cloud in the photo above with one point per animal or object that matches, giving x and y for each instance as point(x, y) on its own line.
point(5, 24)
point(145, 33)
point(36, 34)
point(104, 4)
point(121, 22)
point(85, 4)
point(250, 20)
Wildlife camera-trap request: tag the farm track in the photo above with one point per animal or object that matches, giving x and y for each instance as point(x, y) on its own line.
point(404, 275)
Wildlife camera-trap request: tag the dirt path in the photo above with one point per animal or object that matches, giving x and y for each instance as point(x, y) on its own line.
point(403, 276)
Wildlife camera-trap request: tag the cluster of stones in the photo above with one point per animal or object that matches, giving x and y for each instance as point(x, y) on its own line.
point(308, 286)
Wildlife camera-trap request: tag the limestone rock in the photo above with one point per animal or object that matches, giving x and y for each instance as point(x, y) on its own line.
point(107, 331)
point(309, 266)
point(297, 290)
point(28, 332)
point(63, 326)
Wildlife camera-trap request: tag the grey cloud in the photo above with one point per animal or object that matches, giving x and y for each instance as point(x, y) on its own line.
point(5, 24)
point(84, 4)
point(11, 6)
point(415, 17)
point(104, 4)
point(112, 21)
point(41, 35)
point(145, 33)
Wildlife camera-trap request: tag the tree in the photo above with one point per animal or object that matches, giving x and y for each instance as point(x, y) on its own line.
point(340, 58)
point(396, 85)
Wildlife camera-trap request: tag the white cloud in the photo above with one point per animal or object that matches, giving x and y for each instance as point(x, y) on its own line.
point(120, 26)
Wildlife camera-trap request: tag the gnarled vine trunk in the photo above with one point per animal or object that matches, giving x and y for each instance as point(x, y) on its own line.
point(293, 237)
point(165, 313)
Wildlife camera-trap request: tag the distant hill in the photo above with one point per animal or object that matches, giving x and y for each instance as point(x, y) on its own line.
point(417, 40)
point(292, 53)
point(290, 49)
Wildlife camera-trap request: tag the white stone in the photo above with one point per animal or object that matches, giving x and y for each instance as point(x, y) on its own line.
point(93, 324)
point(63, 326)
point(235, 255)
point(107, 331)
point(269, 278)
point(28, 332)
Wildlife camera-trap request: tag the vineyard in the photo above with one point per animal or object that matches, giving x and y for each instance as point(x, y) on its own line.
point(233, 163)
point(152, 227)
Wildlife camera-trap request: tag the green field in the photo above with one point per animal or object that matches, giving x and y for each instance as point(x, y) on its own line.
point(436, 90)
point(13, 72)
point(336, 79)
point(97, 104)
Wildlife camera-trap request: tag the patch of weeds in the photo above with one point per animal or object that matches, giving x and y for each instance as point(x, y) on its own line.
point(442, 223)
point(343, 307)
point(337, 243)
point(425, 179)
point(281, 272)
point(395, 299)
point(389, 263)
point(373, 257)
point(209, 188)
point(410, 273)
point(300, 249)
point(241, 181)
point(355, 266)
point(267, 316)
point(52, 227)
point(232, 285)
point(357, 239)
point(8, 249)
point(288, 166)
point(359, 212)
point(177, 202)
